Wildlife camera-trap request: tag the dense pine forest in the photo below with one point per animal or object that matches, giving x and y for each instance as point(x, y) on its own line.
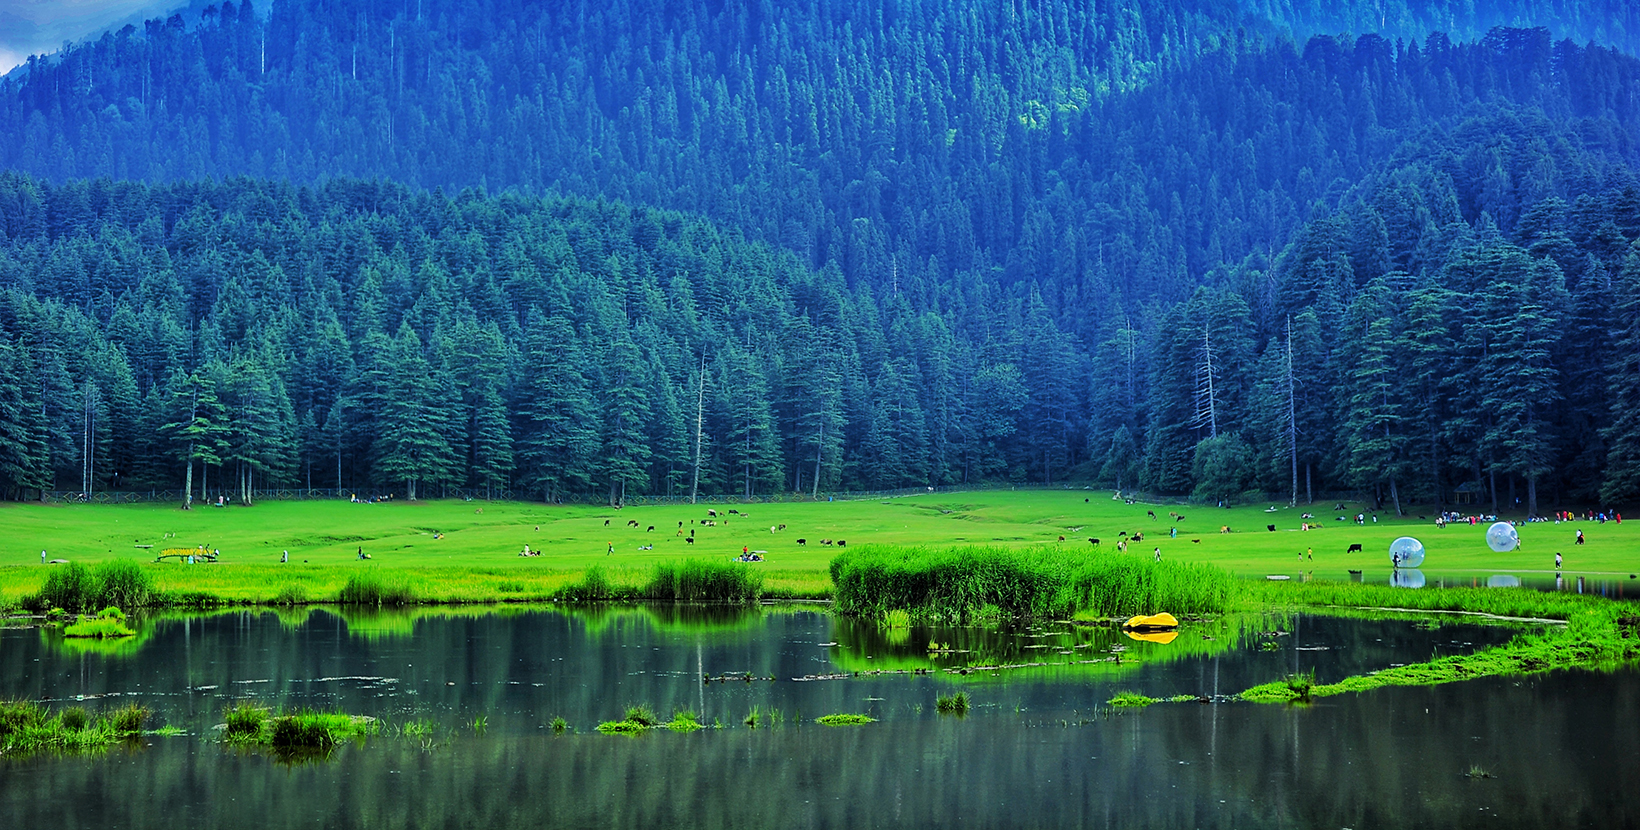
point(577, 251)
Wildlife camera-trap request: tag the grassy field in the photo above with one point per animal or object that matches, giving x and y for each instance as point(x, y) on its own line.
point(469, 551)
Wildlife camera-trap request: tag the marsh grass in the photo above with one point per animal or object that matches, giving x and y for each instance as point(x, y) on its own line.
point(1131, 699)
point(844, 719)
point(1591, 638)
point(558, 725)
point(300, 735)
point(26, 726)
point(956, 704)
point(977, 583)
point(753, 718)
point(1477, 772)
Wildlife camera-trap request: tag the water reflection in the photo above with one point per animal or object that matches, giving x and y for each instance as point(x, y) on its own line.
point(1039, 746)
point(1407, 578)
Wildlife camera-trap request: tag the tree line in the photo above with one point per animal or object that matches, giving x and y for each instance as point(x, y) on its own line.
point(361, 334)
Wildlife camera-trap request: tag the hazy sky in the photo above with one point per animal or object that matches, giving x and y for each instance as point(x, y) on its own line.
point(30, 27)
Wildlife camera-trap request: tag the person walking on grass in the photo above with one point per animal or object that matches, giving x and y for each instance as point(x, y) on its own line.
point(611, 549)
point(1557, 560)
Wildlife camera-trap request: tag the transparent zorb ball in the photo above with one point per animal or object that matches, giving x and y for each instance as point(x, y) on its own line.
point(1406, 552)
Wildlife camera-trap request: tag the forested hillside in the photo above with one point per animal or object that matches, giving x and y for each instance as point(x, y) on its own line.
point(1151, 244)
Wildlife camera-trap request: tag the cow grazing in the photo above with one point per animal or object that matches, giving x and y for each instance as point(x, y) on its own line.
point(1138, 537)
point(773, 529)
point(733, 512)
point(712, 513)
point(651, 529)
point(1354, 549)
point(1151, 514)
point(1092, 540)
point(689, 540)
point(825, 541)
point(802, 542)
point(841, 543)
point(782, 527)
point(1272, 528)
point(1224, 529)
point(1122, 533)
point(1196, 541)
point(606, 523)
point(631, 522)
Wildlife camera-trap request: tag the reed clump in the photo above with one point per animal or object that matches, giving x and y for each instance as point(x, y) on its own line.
point(964, 584)
point(956, 704)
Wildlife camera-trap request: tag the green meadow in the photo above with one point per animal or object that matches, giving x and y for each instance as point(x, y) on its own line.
point(462, 551)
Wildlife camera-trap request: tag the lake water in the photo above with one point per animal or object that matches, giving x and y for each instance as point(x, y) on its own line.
point(1039, 748)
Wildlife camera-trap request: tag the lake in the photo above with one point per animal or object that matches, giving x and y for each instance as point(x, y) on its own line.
point(1040, 746)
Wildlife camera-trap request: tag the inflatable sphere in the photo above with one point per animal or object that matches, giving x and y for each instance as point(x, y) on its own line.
point(1502, 537)
point(1406, 552)
point(1407, 578)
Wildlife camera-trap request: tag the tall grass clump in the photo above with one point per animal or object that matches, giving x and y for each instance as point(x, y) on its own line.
point(704, 580)
point(1120, 585)
point(374, 587)
point(956, 704)
point(245, 720)
point(74, 587)
point(123, 583)
point(952, 584)
point(960, 584)
point(593, 587)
